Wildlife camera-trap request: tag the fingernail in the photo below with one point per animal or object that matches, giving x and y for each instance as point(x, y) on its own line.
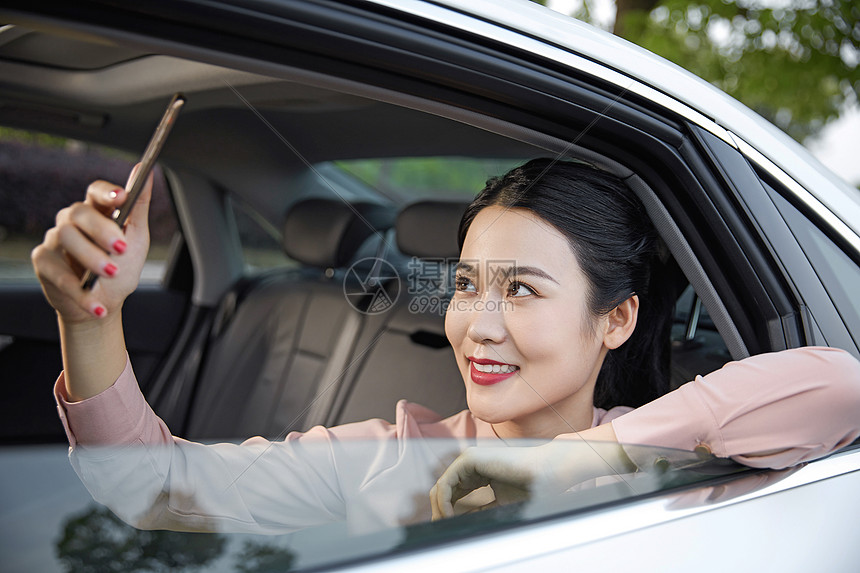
point(119, 246)
point(99, 310)
point(110, 269)
point(113, 194)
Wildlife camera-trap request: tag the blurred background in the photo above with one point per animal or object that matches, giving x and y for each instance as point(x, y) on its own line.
point(795, 62)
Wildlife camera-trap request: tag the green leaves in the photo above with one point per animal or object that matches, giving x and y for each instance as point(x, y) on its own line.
point(798, 65)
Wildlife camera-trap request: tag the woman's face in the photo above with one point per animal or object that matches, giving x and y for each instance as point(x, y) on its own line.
point(527, 347)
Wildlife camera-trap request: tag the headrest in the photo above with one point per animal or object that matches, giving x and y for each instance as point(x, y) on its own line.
point(428, 229)
point(328, 232)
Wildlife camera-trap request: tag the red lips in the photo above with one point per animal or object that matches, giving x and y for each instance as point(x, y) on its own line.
point(488, 378)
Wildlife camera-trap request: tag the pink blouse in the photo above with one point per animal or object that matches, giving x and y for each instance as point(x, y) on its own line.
point(772, 410)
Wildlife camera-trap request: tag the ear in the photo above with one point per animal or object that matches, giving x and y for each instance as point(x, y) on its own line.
point(621, 321)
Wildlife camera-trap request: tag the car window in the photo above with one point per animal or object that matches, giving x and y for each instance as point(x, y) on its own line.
point(259, 238)
point(412, 178)
point(74, 533)
point(401, 180)
point(697, 346)
point(834, 267)
point(40, 174)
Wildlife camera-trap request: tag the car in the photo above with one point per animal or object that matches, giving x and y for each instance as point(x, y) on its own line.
point(325, 143)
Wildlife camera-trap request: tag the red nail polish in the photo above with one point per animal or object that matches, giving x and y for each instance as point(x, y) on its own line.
point(119, 246)
point(110, 269)
point(99, 311)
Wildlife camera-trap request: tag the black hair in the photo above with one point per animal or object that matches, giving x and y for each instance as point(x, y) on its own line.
point(618, 250)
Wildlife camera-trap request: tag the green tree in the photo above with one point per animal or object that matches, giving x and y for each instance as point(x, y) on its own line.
point(258, 557)
point(796, 62)
point(97, 541)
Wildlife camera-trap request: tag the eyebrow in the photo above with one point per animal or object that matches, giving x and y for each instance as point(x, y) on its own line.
point(528, 271)
point(464, 267)
point(506, 273)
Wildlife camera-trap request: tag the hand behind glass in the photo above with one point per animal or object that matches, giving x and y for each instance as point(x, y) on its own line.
point(517, 473)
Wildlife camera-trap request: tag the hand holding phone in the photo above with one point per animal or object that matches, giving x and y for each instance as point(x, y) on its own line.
point(138, 178)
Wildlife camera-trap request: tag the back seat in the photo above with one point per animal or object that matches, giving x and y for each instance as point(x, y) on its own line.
point(404, 354)
point(276, 334)
point(290, 350)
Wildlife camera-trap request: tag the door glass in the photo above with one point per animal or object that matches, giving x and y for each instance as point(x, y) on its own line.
point(40, 174)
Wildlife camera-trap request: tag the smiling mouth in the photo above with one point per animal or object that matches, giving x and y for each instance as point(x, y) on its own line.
point(495, 368)
point(488, 372)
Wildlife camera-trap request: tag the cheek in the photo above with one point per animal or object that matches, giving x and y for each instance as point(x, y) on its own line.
point(537, 338)
point(550, 333)
point(455, 325)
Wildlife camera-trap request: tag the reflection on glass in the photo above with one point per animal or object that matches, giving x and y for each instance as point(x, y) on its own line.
point(96, 540)
point(48, 522)
point(378, 519)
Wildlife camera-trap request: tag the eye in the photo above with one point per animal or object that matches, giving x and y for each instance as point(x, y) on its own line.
point(464, 284)
point(518, 289)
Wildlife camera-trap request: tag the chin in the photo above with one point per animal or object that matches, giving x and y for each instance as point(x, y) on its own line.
point(490, 418)
point(490, 413)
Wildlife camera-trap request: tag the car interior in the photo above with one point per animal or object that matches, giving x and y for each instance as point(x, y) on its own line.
point(226, 348)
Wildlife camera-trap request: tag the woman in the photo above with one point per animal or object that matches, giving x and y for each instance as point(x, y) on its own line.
point(560, 307)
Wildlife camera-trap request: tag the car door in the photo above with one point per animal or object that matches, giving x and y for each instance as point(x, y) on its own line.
point(815, 256)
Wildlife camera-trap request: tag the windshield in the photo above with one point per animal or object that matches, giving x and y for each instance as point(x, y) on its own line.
point(51, 523)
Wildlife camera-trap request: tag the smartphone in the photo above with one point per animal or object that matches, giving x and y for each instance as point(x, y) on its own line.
point(147, 162)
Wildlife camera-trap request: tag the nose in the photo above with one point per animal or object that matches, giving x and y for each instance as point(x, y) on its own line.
point(487, 322)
